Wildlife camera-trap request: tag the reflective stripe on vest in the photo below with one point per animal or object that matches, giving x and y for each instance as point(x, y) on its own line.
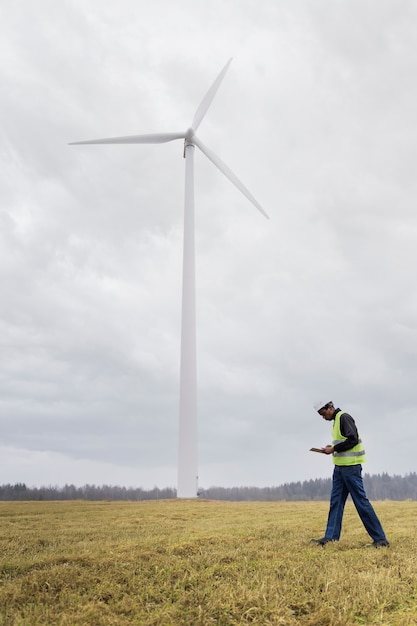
point(354, 456)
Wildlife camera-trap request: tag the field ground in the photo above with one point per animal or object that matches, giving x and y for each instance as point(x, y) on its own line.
point(200, 563)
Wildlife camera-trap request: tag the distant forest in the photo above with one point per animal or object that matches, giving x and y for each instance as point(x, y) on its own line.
point(378, 487)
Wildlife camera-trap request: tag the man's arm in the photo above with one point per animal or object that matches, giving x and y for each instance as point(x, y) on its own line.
point(348, 430)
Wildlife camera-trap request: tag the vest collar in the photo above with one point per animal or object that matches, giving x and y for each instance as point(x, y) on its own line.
point(336, 411)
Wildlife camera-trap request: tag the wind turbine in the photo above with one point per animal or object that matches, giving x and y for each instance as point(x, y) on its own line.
point(187, 486)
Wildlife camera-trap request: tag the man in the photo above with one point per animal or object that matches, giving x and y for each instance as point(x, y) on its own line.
point(348, 455)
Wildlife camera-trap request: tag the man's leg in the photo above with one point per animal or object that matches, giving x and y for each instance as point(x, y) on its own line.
point(353, 481)
point(337, 506)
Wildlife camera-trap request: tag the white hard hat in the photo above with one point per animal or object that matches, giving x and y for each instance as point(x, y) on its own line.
point(321, 404)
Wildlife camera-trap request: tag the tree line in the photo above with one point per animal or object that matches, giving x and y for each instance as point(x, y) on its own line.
point(378, 487)
point(19, 491)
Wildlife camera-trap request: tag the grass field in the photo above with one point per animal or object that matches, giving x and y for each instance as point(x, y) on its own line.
point(202, 563)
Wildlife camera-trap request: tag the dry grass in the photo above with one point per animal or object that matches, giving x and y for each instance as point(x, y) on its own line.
point(202, 563)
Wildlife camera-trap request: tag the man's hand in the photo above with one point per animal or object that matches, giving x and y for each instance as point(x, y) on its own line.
point(328, 449)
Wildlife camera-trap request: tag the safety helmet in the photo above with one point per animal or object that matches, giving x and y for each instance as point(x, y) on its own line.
point(319, 405)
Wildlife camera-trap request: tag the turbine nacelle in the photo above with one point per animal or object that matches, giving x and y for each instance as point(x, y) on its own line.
point(188, 139)
point(189, 136)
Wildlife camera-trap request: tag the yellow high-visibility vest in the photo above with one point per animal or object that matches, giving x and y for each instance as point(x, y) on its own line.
point(354, 456)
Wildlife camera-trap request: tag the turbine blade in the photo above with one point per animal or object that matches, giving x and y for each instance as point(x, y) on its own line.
point(152, 138)
point(228, 173)
point(208, 98)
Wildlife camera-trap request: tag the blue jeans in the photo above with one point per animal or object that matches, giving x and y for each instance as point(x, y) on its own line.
point(347, 479)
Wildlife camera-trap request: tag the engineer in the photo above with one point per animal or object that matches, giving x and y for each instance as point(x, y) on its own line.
point(348, 455)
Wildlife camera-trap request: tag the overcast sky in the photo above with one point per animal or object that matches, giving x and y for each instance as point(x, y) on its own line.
point(317, 116)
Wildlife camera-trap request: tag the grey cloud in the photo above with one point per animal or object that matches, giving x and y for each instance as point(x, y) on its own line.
point(317, 117)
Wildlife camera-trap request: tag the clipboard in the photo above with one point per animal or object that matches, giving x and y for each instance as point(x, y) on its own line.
point(317, 450)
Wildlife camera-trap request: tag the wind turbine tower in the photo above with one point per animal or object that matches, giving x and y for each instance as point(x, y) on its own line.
point(187, 485)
